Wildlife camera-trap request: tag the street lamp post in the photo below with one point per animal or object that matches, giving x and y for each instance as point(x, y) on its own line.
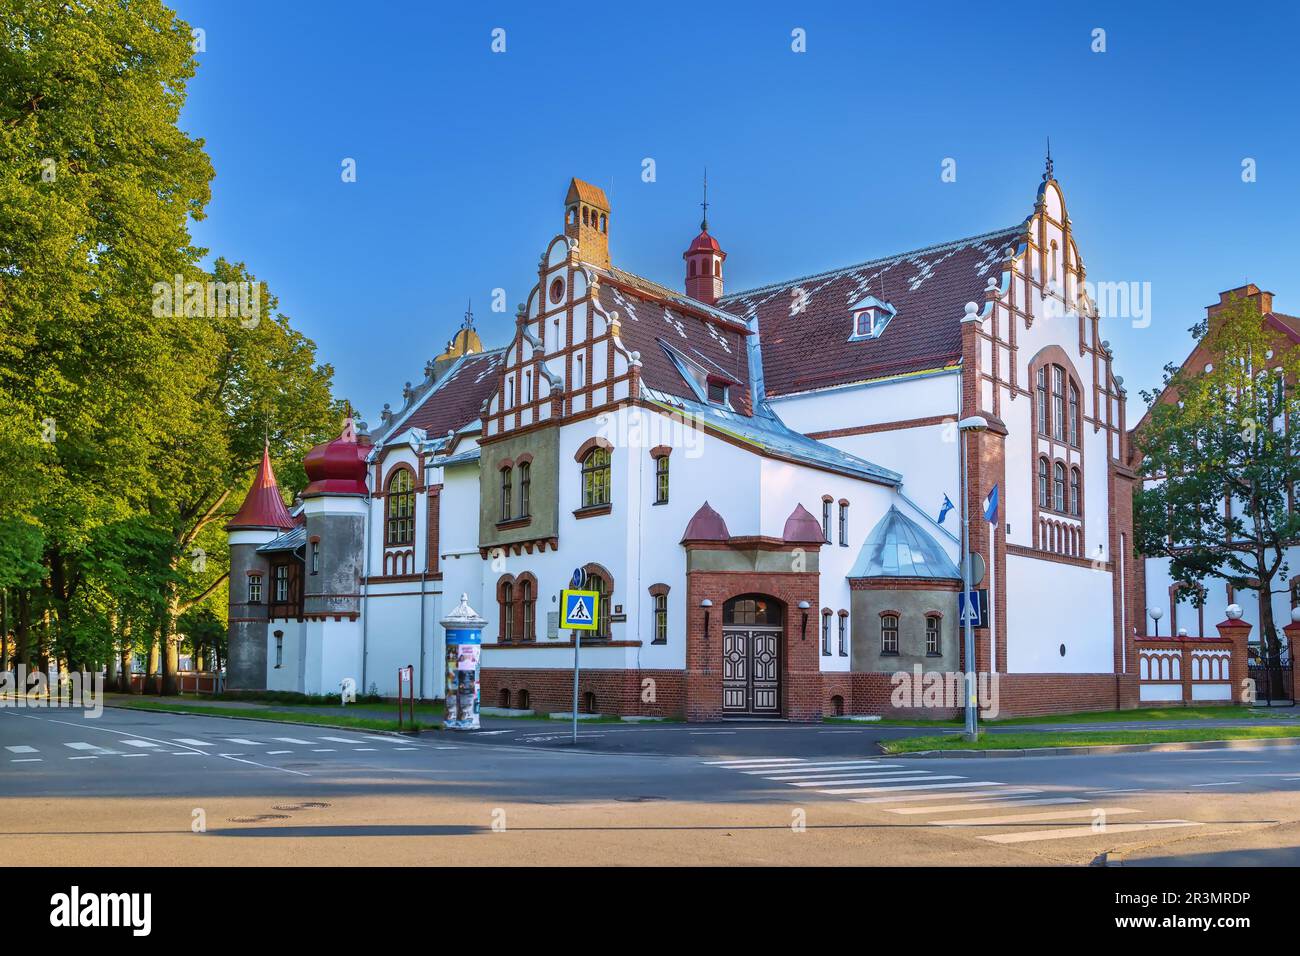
point(975, 423)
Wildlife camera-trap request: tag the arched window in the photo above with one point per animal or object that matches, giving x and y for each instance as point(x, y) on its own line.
point(604, 222)
point(1074, 415)
point(1074, 491)
point(659, 604)
point(889, 633)
point(595, 478)
point(1058, 487)
point(527, 599)
point(932, 635)
point(844, 524)
point(599, 584)
point(1040, 401)
point(690, 269)
point(717, 268)
point(507, 611)
point(507, 474)
point(1043, 501)
point(826, 631)
point(661, 480)
point(399, 501)
point(844, 634)
point(1058, 402)
point(826, 519)
point(525, 488)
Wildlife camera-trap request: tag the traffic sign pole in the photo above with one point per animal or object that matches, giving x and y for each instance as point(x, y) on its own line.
point(577, 644)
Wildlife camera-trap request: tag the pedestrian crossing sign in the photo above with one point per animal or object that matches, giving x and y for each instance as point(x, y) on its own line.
point(581, 609)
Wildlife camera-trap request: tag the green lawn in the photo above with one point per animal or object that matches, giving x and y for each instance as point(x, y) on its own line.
point(1054, 738)
point(1226, 712)
point(427, 716)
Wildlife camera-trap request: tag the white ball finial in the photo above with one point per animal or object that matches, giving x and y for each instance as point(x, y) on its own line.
point(1295, 615)
point(1234, 612)
point(1156, 613)
point(1182, 632)
point(972, 312)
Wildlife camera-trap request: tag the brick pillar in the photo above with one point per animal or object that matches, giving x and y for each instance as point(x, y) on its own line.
point(1238, 632)
point(1292, 632)
point(1185, 671)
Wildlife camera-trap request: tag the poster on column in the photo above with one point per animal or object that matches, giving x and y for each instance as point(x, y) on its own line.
point(463, 685)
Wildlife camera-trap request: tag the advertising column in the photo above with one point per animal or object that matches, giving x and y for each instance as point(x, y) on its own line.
point(464, 644)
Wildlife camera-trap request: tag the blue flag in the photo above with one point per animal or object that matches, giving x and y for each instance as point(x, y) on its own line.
point(943, 512)
point(991, 506)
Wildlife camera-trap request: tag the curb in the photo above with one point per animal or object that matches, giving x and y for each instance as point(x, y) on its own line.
point(272, 720)
point(1261, 743)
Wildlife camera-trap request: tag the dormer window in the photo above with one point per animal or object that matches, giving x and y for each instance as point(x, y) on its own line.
point(717, 393)
point(870, 316)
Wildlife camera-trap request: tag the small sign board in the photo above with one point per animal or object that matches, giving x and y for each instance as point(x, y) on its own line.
point(579, 610)
point(978, 604)
point(552, 625)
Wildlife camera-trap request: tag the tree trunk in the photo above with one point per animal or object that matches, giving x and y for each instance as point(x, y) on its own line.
point(167, 638)
point(1270, 646)
point(22, 629)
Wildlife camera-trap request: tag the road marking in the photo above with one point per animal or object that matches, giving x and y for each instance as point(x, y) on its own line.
point(27, 760)
point(132, 755)
point(240, 754)
point(406, 748)
point(1030, 817)
point(82, 745)
point(756, 761)
point(271, 753)
point(1086, 830)
point(713, 733)
point(186, 753)
point(916, 786)
point(83, 758)
point(1126, 790)
point(387, 740)
point(323, 750)
point(846, 772)
point(191, 742)
point(20, 749)
point(823, 768)
point(241, 741)
point(372, 749)
point(873, 778)
point(1225, 783)
point(446, 748)
point(1013, 792)
point(959, 807)
point(292, 740)
point(140, 743)
point(341, 740)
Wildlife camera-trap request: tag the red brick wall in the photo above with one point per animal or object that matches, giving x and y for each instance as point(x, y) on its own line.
point(618, 692)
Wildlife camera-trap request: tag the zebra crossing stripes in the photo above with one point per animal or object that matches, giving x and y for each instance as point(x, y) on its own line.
point(193, 747)
point(1110, 829)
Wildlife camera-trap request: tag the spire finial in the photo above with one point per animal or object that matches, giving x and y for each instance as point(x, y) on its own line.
point(469, 314)
point(704, 223)
point(1048, 173)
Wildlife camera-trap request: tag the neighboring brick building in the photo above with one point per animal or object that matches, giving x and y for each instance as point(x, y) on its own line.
point(753, 480)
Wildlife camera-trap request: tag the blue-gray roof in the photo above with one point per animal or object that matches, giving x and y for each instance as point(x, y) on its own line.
point(898, 547)
point(291, 540)
point(767, 433)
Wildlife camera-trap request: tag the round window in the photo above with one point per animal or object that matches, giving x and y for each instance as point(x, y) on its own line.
point(557, 290)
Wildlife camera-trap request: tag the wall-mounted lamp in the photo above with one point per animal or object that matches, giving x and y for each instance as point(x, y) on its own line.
point(803, 627)
point(706, 604)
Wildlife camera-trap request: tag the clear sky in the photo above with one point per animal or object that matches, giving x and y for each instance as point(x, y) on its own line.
point(816, 160)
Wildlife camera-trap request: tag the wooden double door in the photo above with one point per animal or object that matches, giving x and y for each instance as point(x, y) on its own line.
point(751, 670)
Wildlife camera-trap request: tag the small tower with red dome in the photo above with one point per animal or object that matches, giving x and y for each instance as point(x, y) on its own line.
point(704, 258)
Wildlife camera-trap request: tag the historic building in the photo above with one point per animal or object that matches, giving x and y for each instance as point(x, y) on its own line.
point(755, 481)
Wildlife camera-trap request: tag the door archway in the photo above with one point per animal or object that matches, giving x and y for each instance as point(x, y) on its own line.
point(752, 628)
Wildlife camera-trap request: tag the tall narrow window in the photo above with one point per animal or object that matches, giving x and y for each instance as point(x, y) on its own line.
point(400, 504)
point(1074, 415)
point(826, 632)
point(661, 480)
point(595, 478)
point(254, 589)
point(1040, 401)
point(578, 379)
point(315, 557)
point(279, 648)
point(529, 609)
point(1074, 491)
point(281, 583)
point(1058, 487)
point(1043, 501)
point(525, 489)
point(661, 618)
point(1058, 402)
point(826, 520)
point(506, 492)
point(889, 633)
point(932, 636)
point(844, 524)
point(507, 612)
point(597, 583)
point(844, 633)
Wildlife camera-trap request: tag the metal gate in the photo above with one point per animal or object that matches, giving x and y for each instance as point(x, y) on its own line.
point(751, 671)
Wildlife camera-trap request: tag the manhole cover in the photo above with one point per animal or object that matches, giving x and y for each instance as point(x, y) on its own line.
point(259, 818)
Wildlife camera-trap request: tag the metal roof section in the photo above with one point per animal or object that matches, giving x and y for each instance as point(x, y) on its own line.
point(898, 547)
point(765, 431)
point(289, 541)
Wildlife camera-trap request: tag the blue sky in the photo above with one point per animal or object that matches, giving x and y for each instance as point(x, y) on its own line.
point(816, 160)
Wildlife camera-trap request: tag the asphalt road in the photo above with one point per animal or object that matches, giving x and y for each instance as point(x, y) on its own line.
point(133, 788)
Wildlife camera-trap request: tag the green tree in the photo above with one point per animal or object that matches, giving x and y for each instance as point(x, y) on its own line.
point(1227, 434)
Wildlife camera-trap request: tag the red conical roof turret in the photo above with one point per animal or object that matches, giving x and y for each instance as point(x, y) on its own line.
point(263, 507)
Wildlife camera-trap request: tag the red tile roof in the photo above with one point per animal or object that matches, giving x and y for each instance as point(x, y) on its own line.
point(263, 507)
point(457, 399)
point(807, 347)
